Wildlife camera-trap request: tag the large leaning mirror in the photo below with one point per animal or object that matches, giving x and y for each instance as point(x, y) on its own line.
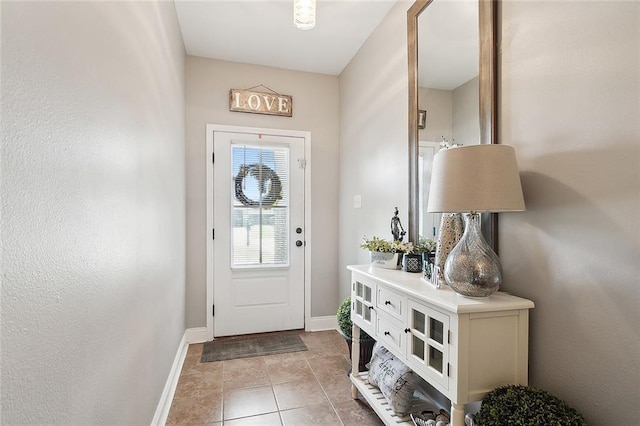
point(452, 94)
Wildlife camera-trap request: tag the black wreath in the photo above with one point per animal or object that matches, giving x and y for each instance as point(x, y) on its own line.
point(262, 174)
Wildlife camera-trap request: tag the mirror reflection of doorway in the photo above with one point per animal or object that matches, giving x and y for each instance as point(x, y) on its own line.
point(428, 223)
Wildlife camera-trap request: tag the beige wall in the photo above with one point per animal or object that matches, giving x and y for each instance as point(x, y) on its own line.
point(373, 139)
point(569, 102)
point(315, 109)
point(92, 210)
point(452, 114)
point(466, 110)
point(570, 95)
point(439, 106)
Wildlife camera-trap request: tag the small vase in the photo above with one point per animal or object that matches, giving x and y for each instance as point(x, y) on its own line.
point(412, 262)
point(384, 260)
point(449, 233)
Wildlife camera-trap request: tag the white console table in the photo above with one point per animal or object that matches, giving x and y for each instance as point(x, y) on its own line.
point(463, 347)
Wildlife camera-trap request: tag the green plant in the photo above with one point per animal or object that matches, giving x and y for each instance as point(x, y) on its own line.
point(385, 246)
point(344, 319)
point(525, 406)
point(425, 245)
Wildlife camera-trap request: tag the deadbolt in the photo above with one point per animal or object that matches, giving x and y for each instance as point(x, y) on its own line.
point(298, 230)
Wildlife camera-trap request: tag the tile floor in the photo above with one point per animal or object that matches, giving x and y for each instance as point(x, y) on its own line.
point(299, 388)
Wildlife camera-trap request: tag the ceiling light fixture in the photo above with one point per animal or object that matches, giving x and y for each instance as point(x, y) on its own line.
point(304, 14)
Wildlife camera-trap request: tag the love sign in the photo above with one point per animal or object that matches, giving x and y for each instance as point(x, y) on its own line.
point(260, 102)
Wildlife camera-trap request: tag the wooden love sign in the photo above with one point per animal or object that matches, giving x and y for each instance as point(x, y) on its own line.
point(260, 102)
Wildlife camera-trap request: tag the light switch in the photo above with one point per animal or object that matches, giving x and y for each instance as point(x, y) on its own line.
point(357, 201)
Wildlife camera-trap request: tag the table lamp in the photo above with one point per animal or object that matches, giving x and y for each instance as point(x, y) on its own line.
point(474, 179)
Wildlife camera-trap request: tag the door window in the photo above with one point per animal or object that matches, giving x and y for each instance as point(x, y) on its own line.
point(260, 206)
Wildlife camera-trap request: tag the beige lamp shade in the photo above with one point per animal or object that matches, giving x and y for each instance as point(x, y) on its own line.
point(475, 178)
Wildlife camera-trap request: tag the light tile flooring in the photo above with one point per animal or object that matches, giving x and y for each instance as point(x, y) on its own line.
point(299, 388)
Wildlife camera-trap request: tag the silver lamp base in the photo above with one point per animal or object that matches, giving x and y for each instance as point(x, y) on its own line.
point(472, 268)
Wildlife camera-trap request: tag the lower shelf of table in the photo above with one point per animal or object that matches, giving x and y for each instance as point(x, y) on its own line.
point(382, 408)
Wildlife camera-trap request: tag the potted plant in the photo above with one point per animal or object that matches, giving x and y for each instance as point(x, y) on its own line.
point(384, 253)
point(345, 325)
point(526, 406)
point(419, 255)
point(427, 247)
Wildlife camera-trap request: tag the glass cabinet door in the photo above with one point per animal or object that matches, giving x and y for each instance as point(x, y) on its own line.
point(428, 343)
point(362, 311)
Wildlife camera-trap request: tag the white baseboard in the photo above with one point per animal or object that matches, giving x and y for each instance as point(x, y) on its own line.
point(197, 335)
point(164, 405)
point(329, 322)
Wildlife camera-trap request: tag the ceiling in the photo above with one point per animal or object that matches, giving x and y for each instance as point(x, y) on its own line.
point(261, 32)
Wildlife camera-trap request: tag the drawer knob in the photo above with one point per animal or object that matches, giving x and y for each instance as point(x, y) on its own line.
point(386, 333)
point(406, 330)
point(387, 302)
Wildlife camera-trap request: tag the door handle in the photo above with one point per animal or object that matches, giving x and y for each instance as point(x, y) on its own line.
point(299, 243)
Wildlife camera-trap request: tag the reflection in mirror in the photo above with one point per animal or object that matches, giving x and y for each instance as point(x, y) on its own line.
point(448, 90)
point(452, 77)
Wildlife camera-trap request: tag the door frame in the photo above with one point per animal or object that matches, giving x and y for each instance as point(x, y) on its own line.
point(210, 249)
point(422, 209)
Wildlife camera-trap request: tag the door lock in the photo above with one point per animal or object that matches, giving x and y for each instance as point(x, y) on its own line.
point(299, 243)
point(298, 230)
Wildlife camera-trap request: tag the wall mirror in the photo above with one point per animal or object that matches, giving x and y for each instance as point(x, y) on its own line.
point(452, 92)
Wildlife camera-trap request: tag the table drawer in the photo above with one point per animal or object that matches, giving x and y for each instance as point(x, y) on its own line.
point(392, 303)
point(391, 334)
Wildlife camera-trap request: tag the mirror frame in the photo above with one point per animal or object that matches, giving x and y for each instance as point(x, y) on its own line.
point(487, 26)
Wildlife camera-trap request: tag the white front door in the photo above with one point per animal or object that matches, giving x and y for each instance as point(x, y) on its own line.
point(258, 217)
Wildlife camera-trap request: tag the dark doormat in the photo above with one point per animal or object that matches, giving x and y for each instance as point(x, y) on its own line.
point(225, 348)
